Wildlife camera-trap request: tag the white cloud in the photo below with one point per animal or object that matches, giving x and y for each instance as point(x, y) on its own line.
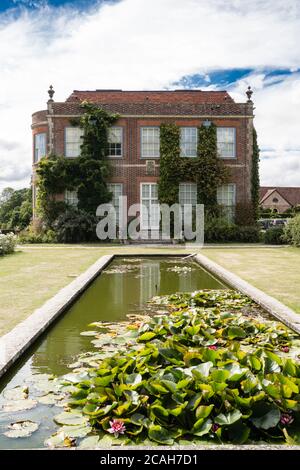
point(138, 44)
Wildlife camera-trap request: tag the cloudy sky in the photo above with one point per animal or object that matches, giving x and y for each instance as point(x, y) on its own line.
point(152, 44)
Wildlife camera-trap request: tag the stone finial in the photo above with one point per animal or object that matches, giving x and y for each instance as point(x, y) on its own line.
point(51, 92)
point(249, 93)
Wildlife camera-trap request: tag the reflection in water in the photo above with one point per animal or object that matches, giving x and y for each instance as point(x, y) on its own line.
point(123, 288)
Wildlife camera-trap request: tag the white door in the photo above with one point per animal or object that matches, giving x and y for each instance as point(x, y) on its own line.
point(150, 213)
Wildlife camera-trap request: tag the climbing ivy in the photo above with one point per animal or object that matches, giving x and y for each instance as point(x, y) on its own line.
point(207, 170)
point(170, 165)
point(87, 173)
point(255, 175)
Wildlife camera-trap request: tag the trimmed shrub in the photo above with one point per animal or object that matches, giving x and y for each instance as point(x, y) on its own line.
point(75, 226)
point(274, 236)
point(218, 230)
point(7, 243)
point(291, 231)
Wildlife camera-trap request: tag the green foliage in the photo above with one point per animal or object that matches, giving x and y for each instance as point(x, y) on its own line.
point(255, 184)
point(220, 230)
point(207, 170)
point(32, 236)
point(15, 208)
point(274, 236)
point(95, 123)
point(74, 226)
point(207, 369)
point(292, 231)
point(170, 164)
point(87, 174)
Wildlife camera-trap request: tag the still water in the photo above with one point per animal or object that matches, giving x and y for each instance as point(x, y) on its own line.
point(124, 287)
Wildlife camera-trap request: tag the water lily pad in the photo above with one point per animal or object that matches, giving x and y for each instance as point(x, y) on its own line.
point(89, 333)
point(90, 442)
point(76, 431)
point(21, 429)
point(71, 418)
point(59, 440)
point(19, 405)
point(50, 399)
point(17, 393)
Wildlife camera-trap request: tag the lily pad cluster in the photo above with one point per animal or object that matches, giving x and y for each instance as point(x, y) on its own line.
point(207, 371)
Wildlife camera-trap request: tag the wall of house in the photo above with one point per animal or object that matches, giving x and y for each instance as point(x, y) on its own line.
point(131, 169)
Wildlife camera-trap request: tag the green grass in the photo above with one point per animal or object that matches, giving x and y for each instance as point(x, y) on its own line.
point(276, 271)
point(36, 272)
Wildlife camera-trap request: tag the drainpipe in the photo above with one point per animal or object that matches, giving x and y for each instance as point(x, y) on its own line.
point(50, 120)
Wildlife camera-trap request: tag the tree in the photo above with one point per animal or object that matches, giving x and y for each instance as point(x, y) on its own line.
point(15, 208)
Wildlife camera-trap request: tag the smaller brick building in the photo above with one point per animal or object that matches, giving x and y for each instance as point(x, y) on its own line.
point(135, 139)
point(279, 199)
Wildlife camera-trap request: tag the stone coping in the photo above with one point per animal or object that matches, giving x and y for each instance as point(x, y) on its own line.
point(20, 338)
point(277, 309)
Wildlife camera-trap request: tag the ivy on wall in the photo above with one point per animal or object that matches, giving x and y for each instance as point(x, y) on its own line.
point(207, 170)
point(87, 174)
point(255, 184)
point(169, 164)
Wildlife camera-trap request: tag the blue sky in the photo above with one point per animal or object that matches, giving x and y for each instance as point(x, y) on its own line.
point(152, 44)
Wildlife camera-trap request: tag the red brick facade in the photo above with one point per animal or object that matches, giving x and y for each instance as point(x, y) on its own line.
point(138, 109)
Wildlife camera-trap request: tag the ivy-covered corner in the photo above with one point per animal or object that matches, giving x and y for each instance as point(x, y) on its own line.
point(87, 174)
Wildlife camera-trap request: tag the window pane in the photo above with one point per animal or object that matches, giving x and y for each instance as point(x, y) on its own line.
point(226, 197)
point(115, 138)
point(73, 136)
point(71, 198)
point(150, 142)
point(226, 142)
point(188, 193)
point(39, 146)
point(188, 141)
point(117, 191)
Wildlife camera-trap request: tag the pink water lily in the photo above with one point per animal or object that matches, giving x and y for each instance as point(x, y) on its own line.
point(117, 427)
point(213, 347)
point(285, 349)
point(286, 418)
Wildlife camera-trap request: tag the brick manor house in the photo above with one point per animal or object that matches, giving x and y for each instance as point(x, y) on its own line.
point(135, 140)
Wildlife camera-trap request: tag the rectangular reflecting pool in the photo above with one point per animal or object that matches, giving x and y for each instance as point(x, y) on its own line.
point(123, 288)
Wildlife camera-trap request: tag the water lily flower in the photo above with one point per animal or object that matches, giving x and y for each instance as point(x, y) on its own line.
point(213, 347)
point(215, 427)
point(116, 427)
point(286, 418)
point(285, 349)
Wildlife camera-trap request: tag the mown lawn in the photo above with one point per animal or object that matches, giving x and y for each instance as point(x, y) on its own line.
point(276, 271)
point(35, 273)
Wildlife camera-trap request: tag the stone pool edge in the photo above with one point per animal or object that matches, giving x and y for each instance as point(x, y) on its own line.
point(277, 309)
point(19, 339)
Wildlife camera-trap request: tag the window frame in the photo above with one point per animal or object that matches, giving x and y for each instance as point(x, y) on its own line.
point(66, 198)
point(149, 157)
point(122, 141)
point(181, 143)
point(231, 157)
point(119, 207)
point(36, 160)
point(229, 212)
point(66, 143)
point(190, 184)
